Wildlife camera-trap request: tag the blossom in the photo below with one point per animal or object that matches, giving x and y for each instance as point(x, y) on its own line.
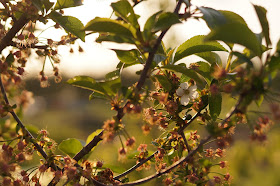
point(186, 92)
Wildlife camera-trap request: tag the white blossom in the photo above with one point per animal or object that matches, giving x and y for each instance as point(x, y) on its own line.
point(186, 93)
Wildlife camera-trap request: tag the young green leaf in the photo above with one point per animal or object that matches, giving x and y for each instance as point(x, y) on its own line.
point(124, 9)
point(210, 57)
point(149, 25)
point(165, 20)
point(128, 56)
point(114, 38)
point(261, 12)
point(236, 33)
point(60, 4)
point(232, 17)
point(215, 18)
point(106, 25)
point(195, 45)
point(86, 83)
point(70, 24)
point(212, 17)
point(70, 146)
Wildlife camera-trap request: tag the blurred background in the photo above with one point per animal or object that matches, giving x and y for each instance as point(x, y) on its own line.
point(66, 112)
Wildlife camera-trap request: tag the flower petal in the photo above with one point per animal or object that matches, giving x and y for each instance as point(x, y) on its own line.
point(180, 92)
point(194, 95)
point(184, 85)
point(192, 88)
point(185, 100)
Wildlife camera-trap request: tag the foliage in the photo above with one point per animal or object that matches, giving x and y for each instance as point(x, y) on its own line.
point(178, 95)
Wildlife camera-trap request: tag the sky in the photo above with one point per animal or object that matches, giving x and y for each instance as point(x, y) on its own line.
point(97, 59)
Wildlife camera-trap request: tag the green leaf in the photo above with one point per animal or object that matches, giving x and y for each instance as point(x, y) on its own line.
point(232, 17)
point(128, 56)
point(164, 81)
point(195, 45)
point(86, 82)
point(215, 18)
point(236, 33)
point(244, 57)
point(92, 135)
point(261, 12)
point(10, 59)
point(70, 146)
point(210, 57)
point(165, 20)
point(212, 17)
point(215, 103)
point(47, 4)
point(114, 38)
point(274, 63)
point(112, 75)
point(182, 69)
point(124, 10)
point(204, 69)
point(106, 25)
point(70, 24)
point(149, 25)
point(60, 4)
point(260, 100)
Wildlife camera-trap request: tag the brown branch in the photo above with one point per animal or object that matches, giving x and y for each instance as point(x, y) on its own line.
point(36, 145)
point(88, 147)
point(18, 25)
point(168, 169)
point(135, 166)
point(149, 61)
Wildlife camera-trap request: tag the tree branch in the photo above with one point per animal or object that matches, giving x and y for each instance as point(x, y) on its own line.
point(168, 169)
point(149, 61)
point(18, 25)
point(88, 147)
point(135, 166)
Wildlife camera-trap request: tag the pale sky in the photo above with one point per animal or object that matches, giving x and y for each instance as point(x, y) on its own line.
point(98, 59)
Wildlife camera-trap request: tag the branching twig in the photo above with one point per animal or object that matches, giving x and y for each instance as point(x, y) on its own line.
point(135, 166)
point(4, 43)
point(168, 169)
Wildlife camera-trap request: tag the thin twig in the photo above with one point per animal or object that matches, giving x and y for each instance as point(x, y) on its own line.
point(135, 166)
point(168, 169)
point(150, 59)
point(88, 147)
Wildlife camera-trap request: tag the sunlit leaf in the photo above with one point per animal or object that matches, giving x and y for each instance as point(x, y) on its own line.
point(195, 45)
point(124, 9)
point(165, 20)
point(261, 12)
point(70, 146)
point(106, 25)
point(60, 4)
point(236, 33)
point(210, 57)
point(70, 24)
point(128, 56)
